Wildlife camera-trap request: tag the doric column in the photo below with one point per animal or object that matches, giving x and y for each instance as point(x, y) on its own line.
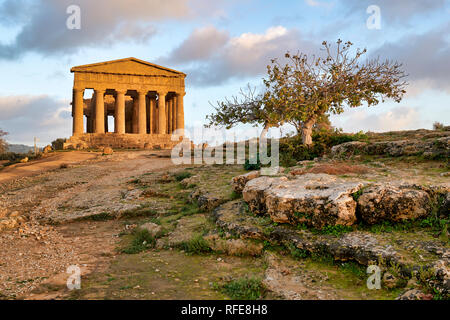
point(99, 111)
point(174, 113)
point(152, 115)
point(162, 112)
point(169, 111)
point(142, 112)
point(77, 111)
point(180, 110)
point(135, 115)
point(119, 112)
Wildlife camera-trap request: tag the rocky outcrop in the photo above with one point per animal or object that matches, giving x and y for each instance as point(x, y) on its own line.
point(393, 203)
point(206, 201)
point(152, 228)
point(314, 199)
point(254, 192)
point(430, 148)
point(348, 148)
point(238, 183)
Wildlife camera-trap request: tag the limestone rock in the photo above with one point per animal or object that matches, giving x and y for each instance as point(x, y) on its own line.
point(208, 201)
point(389, 281)
point(253, 192)
point(190, 181)
point(107, 151)
point(413, 294)
point(348, 148)
point(47, 149)
point(393, 203)
point(24, 160)
point(316, 199)
point(234, 247)
point(152, 228)
point(240, 181)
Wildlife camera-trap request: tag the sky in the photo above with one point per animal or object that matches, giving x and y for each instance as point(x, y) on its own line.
point(221, 45)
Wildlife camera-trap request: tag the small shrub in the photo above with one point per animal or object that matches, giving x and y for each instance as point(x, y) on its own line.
point(195, 245)
point(298, 253)
point(183, 175)
point(244, 289)
point(58, 144)
point(142, 240)
point(438, 126)
point(252, 164)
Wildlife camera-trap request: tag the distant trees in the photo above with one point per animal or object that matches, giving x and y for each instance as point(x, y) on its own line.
point(3, 144)
point(307, 89)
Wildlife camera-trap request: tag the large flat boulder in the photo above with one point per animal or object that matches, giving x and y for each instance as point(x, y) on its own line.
point(393, 203)
point(315, 199)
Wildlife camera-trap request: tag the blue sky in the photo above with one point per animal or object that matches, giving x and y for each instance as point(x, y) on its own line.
point(222, 45)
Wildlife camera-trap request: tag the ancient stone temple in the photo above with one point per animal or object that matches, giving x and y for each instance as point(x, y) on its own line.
point(146, 101)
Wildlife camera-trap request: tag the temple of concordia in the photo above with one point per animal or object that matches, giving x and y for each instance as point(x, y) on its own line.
point(146, 101)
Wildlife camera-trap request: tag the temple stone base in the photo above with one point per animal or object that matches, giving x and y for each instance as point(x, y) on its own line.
point(120, 141)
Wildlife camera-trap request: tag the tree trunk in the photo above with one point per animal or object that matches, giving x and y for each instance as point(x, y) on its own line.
point(264, 132)
point(307, 131)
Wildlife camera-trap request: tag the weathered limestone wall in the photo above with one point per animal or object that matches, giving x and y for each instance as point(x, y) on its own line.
point(120, 141)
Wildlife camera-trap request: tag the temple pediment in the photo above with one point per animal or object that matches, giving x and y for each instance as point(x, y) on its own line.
point(130, 66)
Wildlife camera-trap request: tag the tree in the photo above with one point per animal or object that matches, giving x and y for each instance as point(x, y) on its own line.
point(3, 144)
point(308, 88)
point(248, 107)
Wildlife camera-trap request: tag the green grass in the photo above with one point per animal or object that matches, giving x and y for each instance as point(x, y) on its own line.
point(243, 289)
point(195, 245)
point(141, 241)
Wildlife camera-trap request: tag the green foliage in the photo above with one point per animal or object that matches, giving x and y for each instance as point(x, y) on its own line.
point(182, 175)
point(297, 253)
point(244, 289)
point(292, 149)
point(142, 240)
point(353, 268)
point(195, 245)
point(357, 194)
point(58, 144)
point(336, 230)
point(252, 164)
point(235, 195)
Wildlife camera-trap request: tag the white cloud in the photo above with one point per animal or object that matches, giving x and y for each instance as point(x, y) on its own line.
point(26, 117)
point(228, 57)
point(367, 119)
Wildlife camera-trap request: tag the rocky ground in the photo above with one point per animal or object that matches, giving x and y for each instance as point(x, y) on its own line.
point(141, 228)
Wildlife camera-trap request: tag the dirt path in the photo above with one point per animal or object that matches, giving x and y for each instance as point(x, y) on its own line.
point(50, 162)
point(34, 256)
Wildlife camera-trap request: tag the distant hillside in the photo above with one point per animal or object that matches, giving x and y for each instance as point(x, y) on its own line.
point(19, 148)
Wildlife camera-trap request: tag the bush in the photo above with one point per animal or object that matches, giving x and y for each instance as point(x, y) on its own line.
point(195, 245)
point(438, 126)
point(142, 240)
point(255, 165)
point(292, 149)
point(58, 144)
point(244, 289)
point(183, 175)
